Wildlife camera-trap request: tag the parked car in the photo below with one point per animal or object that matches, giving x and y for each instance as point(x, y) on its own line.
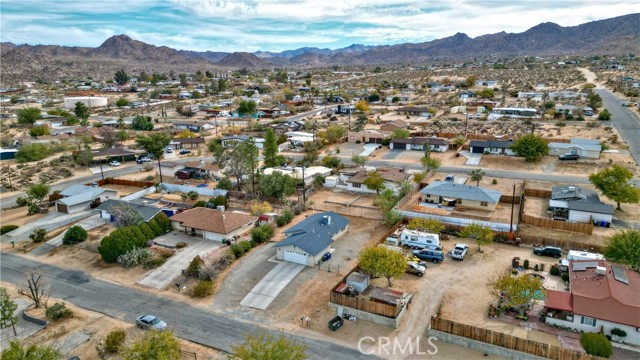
point(114, 163)
point(150, 322)
point(569, 157)
point(169, 150)
point(142, 159)
point(548, 251)
point(450, 178)
point(429, 255)
point(416, 269)
point(336, 323)
point(459, 251)
point(183, 175)
point(185, 151)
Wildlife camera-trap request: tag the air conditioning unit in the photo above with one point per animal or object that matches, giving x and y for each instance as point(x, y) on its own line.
point(601, 270)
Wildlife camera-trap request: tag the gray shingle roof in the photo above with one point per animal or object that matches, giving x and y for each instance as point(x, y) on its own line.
point(312, 235)
point(147, 212)
point(490, 143)
point(465, 192)
point(76, 189)
point(581, 199)
point(86, 196)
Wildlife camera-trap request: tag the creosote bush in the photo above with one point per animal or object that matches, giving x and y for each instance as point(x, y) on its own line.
point(203, 289)
point(58, 311)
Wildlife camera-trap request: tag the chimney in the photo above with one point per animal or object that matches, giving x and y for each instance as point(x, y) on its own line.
point(220, 208)
point(145, 202)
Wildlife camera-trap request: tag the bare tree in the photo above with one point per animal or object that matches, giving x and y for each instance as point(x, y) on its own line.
point(38, 288)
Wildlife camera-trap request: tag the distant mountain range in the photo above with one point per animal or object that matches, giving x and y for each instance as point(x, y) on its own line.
point(50, 62)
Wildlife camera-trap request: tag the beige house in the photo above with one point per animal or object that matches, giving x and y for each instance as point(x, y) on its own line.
point(212, 224)
point(450, 194)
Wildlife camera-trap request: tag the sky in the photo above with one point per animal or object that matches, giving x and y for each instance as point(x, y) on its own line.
point(277, 25)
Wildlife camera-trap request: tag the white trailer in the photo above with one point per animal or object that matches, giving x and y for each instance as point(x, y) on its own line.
point(578, 255)
point(419, 240)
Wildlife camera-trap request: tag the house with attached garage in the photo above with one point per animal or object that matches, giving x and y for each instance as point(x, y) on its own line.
point(419, 143)
point(495, 147)
point(78, 198)
point(603, 296)
point(353, 179)
point(450, 194)
point(585, 148)
point(308, 241)
point(573, 203)
point(212, 224)
point(110, 208)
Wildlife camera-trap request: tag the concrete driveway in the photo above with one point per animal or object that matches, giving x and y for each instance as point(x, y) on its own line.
point(472, 159)
point(162, 276)
point(271, 285)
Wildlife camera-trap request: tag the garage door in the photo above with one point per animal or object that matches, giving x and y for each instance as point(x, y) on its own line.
point(62, 208)
point(477, 150)
point(295, 257)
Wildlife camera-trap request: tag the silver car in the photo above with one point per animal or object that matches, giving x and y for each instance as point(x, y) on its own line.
point(150, 322)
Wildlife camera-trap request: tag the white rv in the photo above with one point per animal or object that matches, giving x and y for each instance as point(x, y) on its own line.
point(419, 240)
point(578, 255)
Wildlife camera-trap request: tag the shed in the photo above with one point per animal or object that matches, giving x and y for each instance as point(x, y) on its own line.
point(359, 281)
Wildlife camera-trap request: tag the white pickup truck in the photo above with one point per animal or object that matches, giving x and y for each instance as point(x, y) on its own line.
point(459, 251)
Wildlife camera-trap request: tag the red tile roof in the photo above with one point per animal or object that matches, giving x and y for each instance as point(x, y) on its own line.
point(558, 300)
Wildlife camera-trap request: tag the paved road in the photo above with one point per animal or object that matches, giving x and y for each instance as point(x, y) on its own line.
point(627, 124)
point(191, 323)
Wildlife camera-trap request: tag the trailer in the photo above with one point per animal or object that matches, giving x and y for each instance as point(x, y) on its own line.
point(563, 264)
point(415, 239)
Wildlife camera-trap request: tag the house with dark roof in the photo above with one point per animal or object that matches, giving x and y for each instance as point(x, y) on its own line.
point(451, 195)
point(212, 224)
point(78, 198)
point(109, 209)
point(418, 143)
point(187, 143)
point(308, 241)
point(602, 296)
point(573, 203)
point(413, 110)
point(496, 147)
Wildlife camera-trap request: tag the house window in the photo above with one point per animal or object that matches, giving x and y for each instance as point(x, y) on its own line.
point(588, 321)
point(356, 185)
point(483, 203)
point(428, 196)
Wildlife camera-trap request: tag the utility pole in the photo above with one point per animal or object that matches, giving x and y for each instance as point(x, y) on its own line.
point(304, 185)
point(101, 173)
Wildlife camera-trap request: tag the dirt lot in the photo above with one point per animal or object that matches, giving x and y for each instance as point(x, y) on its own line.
point(18, 216)
point(360, 205)
point(123, 190)
point(96, 326)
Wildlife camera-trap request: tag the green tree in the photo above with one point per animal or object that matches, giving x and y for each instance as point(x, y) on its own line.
point(427, 225)
point(224, 184)
point(624, 248)
point(276, 185)
point(240, 160)
point(15, 351)
point(615, 183)
point(7, 311)
point(141, 122)
point(246, 108)
point(596, 344)
point(262, 233)
point(381, 261)
point(374, 181)
point(38, 192)
point(154, 144)
point(270, 151)
point(82, 111)
point(183, 80)
point(40, 130)
point(531, 147)
point(153, 345)
point(333, 133)
point(122, 102)
point(263, 345)
point(373, 97)
point(400, 134)
point(83, 157)
point(74, 235)
point(430, 163)
point(482, 235)
point(604, 115)
point(594, 101)
point(485, 94)
point(222, 85)
point(28, 116)
point(121, 77)
point(517, 291)
point(359, 160)
point(122, 135)
point(477, 175)
point(333, 162)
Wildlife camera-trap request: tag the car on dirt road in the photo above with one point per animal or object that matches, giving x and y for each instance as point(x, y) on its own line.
point(459, 251)
point(552, 251)
point(416, 268)
point(150, 322)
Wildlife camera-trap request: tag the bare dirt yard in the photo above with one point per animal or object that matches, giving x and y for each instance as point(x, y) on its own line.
point(18, 216)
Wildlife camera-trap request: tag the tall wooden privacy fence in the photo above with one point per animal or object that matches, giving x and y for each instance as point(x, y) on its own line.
point(555, 224)
point(508, 341)
point(561, 243)
point(124, 182)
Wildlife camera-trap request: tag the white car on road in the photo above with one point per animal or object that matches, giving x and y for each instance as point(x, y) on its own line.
point(459, 251)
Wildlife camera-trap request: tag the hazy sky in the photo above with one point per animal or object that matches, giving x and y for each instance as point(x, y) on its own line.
point(276, 25)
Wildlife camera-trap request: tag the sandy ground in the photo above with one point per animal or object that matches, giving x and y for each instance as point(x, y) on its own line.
point(97, 326)
point(18, 216)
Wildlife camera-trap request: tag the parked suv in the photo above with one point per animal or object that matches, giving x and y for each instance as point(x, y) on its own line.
point(183, 175)
point(416, 269)
point(430, 255)
point(548, 251)
point(569, 157)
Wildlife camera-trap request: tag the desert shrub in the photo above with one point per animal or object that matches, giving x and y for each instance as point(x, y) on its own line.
point(246, 246)
point(181, 245)
point(22, 201)
point(554, 270)
point(561, 124)
point(7, 228)
point(218, 264)
point(58, 311)
point(494, 181)
point(240, 248)
point(219, 200)
point(565, 276)
point(526, 264)
point(200, 203)
point(285, 217)
point(74, 235)
point(114, 341)
point(261, 233)
point(164, 252)
point(155, 228)
point(147, 167)
point(120, 241)
point(38, 235)
point(134, 257)
point(146, 231)
point(154, 262)
point(163, 221)
point(196, 265)
point(204, 288)
point(596, 344)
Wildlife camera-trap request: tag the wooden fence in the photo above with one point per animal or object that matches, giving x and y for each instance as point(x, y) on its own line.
point(124, 182)
point(508, 199)
point(585, 228)
point(55, 196)
point(561, 243)
point(362, 304)
point(508, 341)
point(546, 194)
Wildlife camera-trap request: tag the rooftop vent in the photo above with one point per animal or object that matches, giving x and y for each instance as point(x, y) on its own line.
point(326, 220)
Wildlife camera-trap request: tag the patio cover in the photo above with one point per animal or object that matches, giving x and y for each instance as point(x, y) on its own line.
point(558, 300)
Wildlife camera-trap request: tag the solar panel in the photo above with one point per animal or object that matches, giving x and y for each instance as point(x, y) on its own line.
point(619, 274)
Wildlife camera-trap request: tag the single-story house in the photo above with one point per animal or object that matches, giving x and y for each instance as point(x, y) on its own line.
point(211, 170)
point(496, 147)
point(193, 126)
point(8, 154)
point(296, 172)
point(452, 194)
point(487, 83)
point(78, 198)
point(393, 125)
point(212, 224)
point(413, 110)
point(402, 98)
point(353, 179)
point(536, 96)
point(345, 109)
point(109, 207)
point(603, 296)
point(288, 126)
point(187, 143)
point(586, 148)
point(308, 241)
point(465, 95)
point(169, 168)
point(418, 143)
point(366, 137)
point(225, 141)
point(573, 203)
